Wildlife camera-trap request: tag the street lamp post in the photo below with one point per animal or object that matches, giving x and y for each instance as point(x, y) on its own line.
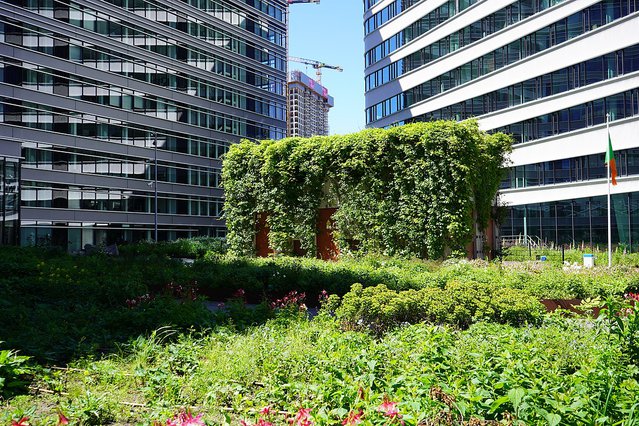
point(155, 186)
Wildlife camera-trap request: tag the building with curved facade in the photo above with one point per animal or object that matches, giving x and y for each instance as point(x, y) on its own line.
point(122, 109)
point(546, 71)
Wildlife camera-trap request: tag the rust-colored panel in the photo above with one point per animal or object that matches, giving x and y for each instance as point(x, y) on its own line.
point(326, 247)
point(261, 236)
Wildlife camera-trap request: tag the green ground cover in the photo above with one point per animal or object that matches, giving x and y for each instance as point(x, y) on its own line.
point(128, 340)
point(563, 372)
point(82, 305)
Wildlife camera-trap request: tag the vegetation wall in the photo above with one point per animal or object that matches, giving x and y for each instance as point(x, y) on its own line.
point(411, 190)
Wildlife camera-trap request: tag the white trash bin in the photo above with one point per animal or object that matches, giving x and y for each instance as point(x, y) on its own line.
point(589, 260)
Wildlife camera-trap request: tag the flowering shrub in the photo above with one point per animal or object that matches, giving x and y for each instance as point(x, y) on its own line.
point(62, 419)
point(389, 409)
point(303, 418)
point(24, 421)
point(178, 291)
point(293, 300)
point(184, 419)
point(137, 301)
point(353, 418)
point(187, 291)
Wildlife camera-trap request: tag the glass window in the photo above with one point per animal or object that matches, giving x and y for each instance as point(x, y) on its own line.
point(574, 25)
point(578, 117)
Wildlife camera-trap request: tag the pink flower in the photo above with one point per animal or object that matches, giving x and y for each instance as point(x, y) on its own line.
point(265, 411)
point(389, 409)
point(185, 419)
point(244, 423)
point(62, 420)
point(302, 417)
point(262, 422)
point(353, 418)
point(323, 296)
point(22, 422)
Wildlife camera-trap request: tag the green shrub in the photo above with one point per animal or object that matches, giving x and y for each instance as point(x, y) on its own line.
point(194, 248)
point(459, 303)
point(12, 370)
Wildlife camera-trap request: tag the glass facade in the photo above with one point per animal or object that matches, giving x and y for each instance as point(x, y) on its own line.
point(9, 200)
point(588, 19)
point(499, 20)
point(577, 221)
point(566, 170)
point(112, 99)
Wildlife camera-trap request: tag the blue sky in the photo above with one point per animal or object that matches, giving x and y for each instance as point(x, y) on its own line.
point(332, 32)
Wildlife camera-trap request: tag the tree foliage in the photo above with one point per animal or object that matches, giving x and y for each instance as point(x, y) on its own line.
point(410, 190)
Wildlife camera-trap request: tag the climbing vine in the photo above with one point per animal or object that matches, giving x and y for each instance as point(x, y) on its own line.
point(412, 190)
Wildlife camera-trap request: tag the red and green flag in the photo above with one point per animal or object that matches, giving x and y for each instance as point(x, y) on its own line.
point(610, 161)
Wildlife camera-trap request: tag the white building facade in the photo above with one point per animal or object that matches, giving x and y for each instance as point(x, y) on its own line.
point(545, 71)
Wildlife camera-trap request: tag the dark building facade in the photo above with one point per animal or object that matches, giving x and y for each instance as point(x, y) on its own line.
point(9, 192)
point(114, 101)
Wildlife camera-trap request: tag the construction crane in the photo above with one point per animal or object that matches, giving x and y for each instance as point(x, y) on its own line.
point(302, 1)
point(316, 64)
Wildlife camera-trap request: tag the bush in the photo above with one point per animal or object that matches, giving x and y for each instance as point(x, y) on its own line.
point(12, 369)
point(193, 248)
point(220, 276)
point(459, 303)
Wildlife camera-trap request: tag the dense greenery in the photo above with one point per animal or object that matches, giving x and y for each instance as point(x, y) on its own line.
point(55, 306)
point(222, 276)
point(565, 372)
point(182, 248)
point(410, 190)
point(88, 304)
point(97, 315)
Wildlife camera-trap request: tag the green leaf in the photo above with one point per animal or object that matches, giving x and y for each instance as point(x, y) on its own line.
point(497, 403)
point(515, 396)
point(553, 419)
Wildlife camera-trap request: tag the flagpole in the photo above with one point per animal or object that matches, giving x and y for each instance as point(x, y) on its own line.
point(609, 224)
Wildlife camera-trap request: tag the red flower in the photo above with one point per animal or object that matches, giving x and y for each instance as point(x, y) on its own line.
point(22, 422)
point(353, 418)
point(185, 419)
point(302, 417)
point(265, 411)
point(389, 409)
point(262, 422)
point(62, 420)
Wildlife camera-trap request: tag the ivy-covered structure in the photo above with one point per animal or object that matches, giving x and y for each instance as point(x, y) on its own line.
point(418, 190)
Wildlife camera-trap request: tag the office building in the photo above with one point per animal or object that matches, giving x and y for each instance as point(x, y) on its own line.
point(308, 106)
point(122, 108)
point(546, 71)
point(9, 192)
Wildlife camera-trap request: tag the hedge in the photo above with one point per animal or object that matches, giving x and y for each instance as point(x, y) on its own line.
point(460, 304)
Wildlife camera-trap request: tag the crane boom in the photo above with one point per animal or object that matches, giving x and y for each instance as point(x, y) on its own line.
point(317, 65)
point(302, 1)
